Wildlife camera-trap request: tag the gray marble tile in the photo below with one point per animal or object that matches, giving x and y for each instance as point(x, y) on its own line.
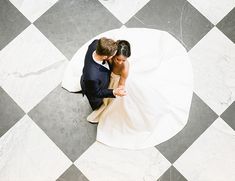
point(229, 115)
point(227, 25)
point(71, 23)
point(172, 174)
point(12, 22)
point(72, 174)
point(200, 118)
point(177, 17)
point(62, 116)
point(10, 112)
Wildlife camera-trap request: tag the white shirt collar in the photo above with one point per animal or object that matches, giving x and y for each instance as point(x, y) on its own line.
point(106, 65)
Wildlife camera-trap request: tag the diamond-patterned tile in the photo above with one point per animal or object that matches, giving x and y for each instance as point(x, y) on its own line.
point(177, 17)
point(200, 118)
point(227, 25)
point(10, 112)
point(30, 67)
point(211, 157)
point(33, 9)
point(62, 116)
point(229, 115)
point(28, 154)
point(214, 10)
point(124, 10)
point(12, 22)
point(172, 174)
point(71, 23)
point(213, 60)
point(72, 174)
point(101, 162)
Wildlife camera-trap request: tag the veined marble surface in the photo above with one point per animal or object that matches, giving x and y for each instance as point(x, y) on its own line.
point(33, 9)
point(124, 10)
point(213, 10)
point(101, 163)
point(213, 60)
point(211, 156)
point(30, 67)
point(27, 154)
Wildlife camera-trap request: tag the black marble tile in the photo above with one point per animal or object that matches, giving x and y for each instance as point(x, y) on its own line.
point(72, 174)
point(62, 116)
point(229, 115)
point(178, 17)
point(201, 116)
point(172, 174)
point(12, 22)
point(227, 25)
point(10, 112)
point(71, 23)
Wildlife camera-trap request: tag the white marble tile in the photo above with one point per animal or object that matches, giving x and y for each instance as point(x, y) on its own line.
point(124, 10)
point(101, 163)
point(33, 9)
point(26, 154)
point(213, 10)
point(211, 157)
point(213, 60)
point(30, 67)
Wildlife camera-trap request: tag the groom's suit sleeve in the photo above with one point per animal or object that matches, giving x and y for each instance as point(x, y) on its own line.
point(94, 89)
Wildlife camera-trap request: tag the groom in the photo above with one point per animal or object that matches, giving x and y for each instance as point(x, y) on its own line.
point(96, 72)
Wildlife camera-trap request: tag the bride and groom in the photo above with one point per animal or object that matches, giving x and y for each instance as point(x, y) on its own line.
point(140, 95)
point(103, 57)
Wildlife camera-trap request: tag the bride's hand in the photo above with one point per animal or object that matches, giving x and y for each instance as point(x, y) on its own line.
point(119, 92)
point(121, 86)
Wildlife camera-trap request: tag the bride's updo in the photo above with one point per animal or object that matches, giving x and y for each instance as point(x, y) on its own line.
point(124, 48)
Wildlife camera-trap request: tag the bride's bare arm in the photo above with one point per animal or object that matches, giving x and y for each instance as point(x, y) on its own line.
point(124, 75)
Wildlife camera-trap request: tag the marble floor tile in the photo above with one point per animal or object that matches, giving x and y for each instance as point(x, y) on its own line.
point(72, 174)
point(70, 23)
point(12, 23)
point(33, 9)
point(30, 67)
point(62, 116)
point(200, 118)
point(177, 17)
point(124, 10)
point(229, 115)
point(213, 60)
point(213, 10)
point(27, 154)
point(172, 174)
point(103, 163)
point(227, 25)
point(10, 112)
point(211, 157)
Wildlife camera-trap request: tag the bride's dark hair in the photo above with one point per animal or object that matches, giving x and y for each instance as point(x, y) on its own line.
point(124, 48)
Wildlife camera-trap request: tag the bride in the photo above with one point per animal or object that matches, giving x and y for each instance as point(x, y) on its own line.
point(158, 80)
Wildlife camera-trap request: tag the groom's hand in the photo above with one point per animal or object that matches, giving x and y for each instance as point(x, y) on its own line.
point(119, 91)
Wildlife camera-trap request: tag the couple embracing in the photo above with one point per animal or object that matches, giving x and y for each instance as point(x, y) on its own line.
point(105, 56)
point(140, 90)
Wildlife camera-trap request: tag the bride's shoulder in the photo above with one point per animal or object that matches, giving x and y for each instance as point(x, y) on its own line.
point(125, 69)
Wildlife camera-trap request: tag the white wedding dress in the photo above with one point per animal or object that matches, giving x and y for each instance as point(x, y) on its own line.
point(159, 91)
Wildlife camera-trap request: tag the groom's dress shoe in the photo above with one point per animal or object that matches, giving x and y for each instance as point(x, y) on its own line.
point(93, 122)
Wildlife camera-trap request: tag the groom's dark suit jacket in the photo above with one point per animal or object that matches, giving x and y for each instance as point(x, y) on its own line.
point(95, 79)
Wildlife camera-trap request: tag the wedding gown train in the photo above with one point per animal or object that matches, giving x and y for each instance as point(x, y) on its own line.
point(159, 91)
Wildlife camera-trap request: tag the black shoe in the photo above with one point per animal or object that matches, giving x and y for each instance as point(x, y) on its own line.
point(93, 122)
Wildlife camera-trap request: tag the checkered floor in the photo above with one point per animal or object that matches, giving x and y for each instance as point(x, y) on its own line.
point(44, 134)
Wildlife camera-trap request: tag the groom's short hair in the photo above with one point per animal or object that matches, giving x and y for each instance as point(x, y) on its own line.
point(106, 46)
